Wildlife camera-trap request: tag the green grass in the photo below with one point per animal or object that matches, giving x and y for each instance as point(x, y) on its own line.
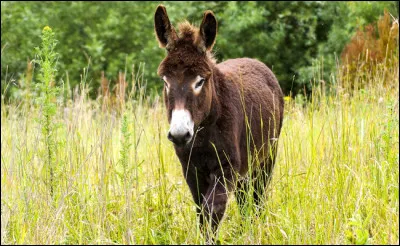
point(117, 180)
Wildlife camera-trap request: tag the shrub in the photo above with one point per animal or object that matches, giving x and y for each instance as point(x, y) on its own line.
point(372, 47)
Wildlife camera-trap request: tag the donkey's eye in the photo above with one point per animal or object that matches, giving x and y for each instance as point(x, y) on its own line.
point(199, 84)
point(166, 84)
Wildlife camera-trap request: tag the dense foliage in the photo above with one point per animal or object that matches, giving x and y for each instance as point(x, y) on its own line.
point(293, 38)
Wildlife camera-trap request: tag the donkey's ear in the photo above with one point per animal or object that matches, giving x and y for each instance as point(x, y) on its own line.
point(208, 29)
point(165, 32)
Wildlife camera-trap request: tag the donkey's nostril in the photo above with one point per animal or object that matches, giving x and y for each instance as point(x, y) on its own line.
point(180, 139)
point(188, 136)
point(170, 136)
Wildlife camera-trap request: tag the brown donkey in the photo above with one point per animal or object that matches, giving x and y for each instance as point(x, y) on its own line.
point(224, 118)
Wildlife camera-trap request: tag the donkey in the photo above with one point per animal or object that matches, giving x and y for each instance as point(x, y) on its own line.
point(224, 118)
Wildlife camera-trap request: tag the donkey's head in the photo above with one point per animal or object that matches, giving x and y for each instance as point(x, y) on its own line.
point(186, 72)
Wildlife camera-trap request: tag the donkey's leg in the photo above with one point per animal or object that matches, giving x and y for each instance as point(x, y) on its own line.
point(262, 175)
point(241, 194)
point(198, 187)
point(214, 205)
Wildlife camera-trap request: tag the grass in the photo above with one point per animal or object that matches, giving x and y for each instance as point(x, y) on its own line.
point(117, 179)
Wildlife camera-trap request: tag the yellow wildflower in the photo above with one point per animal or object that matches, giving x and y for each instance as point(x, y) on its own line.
point(287, 99)
point(46, 28)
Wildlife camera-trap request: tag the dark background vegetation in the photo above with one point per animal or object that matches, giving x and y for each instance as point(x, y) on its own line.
point(292, 38)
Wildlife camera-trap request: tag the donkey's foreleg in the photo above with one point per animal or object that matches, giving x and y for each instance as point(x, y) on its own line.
point(214, 205)
point(198, 187)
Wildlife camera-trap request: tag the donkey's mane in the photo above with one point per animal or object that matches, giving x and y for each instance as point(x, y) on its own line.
point(190, 32)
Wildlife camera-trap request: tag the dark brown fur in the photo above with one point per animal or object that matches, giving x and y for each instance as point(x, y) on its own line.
point(216, 160)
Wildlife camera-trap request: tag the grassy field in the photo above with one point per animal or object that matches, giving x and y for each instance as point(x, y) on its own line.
point(116, 179)
point(74, 173)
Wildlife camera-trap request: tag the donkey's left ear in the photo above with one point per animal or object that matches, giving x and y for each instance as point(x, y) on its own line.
point(208, 29)
point(165, 32)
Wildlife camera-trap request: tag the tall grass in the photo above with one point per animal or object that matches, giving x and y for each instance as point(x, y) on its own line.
point(336, 178)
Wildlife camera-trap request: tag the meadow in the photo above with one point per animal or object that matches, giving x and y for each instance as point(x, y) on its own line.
point(78, 171)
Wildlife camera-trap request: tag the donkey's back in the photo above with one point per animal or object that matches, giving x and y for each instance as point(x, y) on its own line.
point(253, 73)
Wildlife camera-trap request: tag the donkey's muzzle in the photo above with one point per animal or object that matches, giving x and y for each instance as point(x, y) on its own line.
point(180, 139)
point(181, 131)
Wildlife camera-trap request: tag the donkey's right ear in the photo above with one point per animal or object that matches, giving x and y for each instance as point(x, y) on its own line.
point(165, 32)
